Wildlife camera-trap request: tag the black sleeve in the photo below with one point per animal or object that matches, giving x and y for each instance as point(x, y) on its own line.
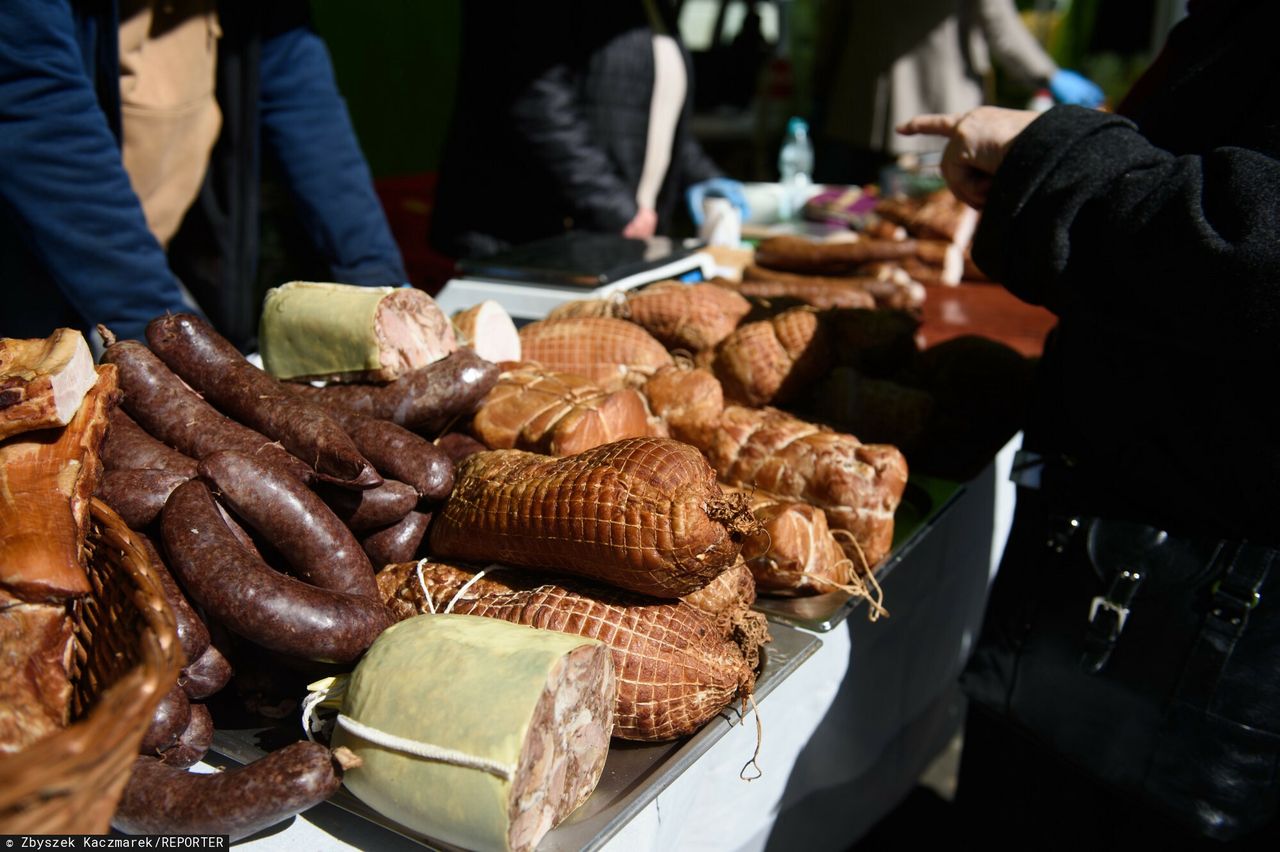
point(546, 116)
point(1088, 218)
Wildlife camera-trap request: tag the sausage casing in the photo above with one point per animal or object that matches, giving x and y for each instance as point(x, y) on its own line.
point(398, 453)
point(207, 674)
point(294, 520)
point(163, 799)
point(425, 400)
point(398, 542)
point(129, 447)
point(137, 496)
point(242, 592)
point(175, 414)
point(211, 365)
point(193, 744)
point(372, 507)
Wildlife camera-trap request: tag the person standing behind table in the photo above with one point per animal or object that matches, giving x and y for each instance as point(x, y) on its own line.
point(880, 63)
point(570, 114)
point(110, 124)
point(1156, 240)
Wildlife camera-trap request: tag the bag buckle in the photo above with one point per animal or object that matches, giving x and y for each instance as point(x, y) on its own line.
point(1108, 615)
point(1232, 604)
point(1121, 612)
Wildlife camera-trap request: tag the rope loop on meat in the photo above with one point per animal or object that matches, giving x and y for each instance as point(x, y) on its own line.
point(331, 690)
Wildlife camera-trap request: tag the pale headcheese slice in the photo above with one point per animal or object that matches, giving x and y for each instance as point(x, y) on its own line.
point(340, 332)
point(529, 709)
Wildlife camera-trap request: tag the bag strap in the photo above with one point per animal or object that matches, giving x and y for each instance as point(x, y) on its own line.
point(1233, 597)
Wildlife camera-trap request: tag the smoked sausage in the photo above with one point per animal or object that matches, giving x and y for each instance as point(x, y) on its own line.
point(129, 447)
point(294, 520)
point(194, 742)
point(398, 542)
point(242, 592)
point(206, 675)
point(398, 453)
point(425, 400)
point(170, 411)
point(163, 799)
point(170, 719)
point(209, 363)
point(373, 507)
point(138, 495)
point(193, 634)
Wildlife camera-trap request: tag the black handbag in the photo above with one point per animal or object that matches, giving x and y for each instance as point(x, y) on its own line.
point(1150, 662)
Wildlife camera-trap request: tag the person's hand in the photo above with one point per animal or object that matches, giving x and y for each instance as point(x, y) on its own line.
point(979, 139)
point(642, 225)
point(716, 187)
point(1068, 87)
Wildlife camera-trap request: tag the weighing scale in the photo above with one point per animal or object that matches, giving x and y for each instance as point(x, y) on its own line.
point(531, 279)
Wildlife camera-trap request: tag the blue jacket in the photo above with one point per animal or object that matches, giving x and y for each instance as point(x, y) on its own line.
point(74, 245)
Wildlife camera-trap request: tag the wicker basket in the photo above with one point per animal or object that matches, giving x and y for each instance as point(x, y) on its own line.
point(126, 658)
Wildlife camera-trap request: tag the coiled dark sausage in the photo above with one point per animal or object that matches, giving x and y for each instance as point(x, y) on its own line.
point(138, 495)
point(194, 742)
point(163, 799)
point(170, 411)
point(129, 447)
point(398, 542)
point(193, 634)
point(210, 364)
point(398, 453)
point(206, 675)
point(425, 400)
point(372, 507)
point(294, 520)
point(238, 589)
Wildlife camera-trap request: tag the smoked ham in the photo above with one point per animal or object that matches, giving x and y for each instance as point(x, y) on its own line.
point(43, 381)
point(559, 414)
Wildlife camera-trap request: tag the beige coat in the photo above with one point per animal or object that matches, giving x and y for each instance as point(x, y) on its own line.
point(883, 62)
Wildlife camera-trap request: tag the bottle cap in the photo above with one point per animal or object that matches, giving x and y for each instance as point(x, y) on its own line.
point(797, 125)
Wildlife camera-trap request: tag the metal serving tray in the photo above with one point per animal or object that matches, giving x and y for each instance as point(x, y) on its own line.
point(634, 773)
point(924, 502)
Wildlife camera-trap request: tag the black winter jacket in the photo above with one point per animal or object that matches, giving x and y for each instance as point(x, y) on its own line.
point(1158, 247)
point(550, 125)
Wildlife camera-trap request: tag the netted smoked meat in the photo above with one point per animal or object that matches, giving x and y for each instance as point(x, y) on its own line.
point(794, 553)
point(559, 414)
point(612, 352)
point(675, 667)
point(689, 399)
point(643, 514)
point(775, 360)
point(686, 316)
point(858, 485)
point(535, 706)
point(731, 590)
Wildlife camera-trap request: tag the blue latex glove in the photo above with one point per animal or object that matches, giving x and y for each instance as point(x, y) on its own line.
point(716, 187)
point(1068, 87)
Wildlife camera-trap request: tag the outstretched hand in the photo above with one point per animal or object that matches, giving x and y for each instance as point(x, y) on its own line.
point(978, 142)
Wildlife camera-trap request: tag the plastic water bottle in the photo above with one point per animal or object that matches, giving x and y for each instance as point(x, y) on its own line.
point(795, 164)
